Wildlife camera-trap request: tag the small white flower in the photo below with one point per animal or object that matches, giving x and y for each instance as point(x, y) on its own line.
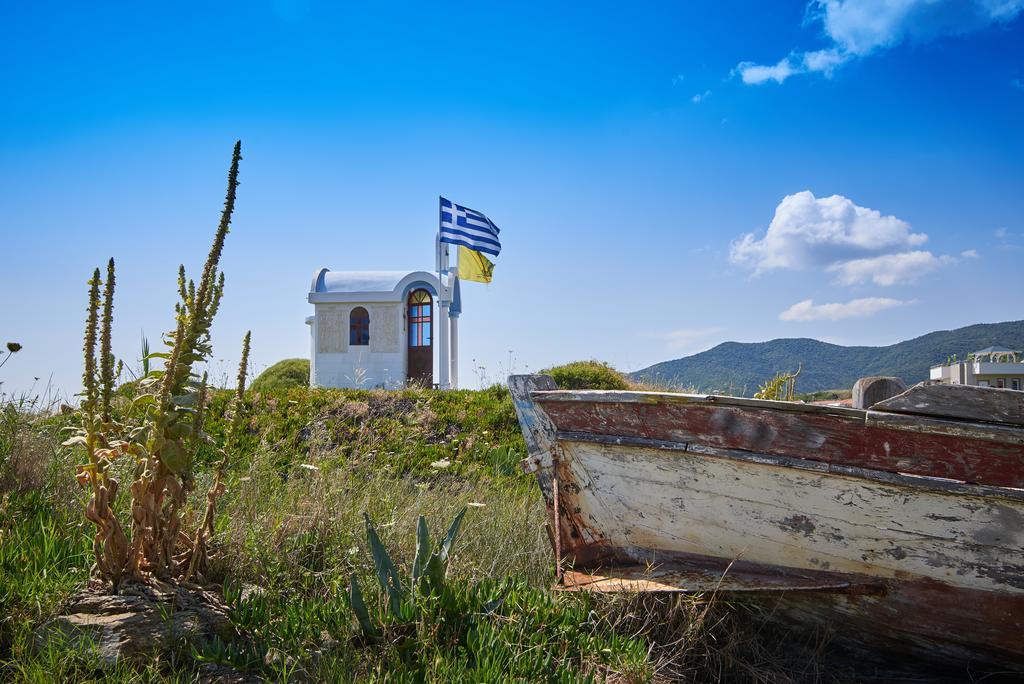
point(476, 504)
point(443, 463)
point(309, 466)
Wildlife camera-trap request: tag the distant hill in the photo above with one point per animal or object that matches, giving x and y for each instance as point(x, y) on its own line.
point(739, 368)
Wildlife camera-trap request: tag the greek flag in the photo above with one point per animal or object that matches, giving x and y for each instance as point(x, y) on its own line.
point(463, 226)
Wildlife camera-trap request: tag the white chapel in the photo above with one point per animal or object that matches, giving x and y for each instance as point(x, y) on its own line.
point(383, 329)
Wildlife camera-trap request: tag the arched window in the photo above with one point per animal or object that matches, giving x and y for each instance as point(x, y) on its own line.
point(359, 327)
point(420, 306)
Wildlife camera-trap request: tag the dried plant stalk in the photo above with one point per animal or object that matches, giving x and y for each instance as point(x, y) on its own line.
point(198, 560)
point(110, 544)
point(164, 444)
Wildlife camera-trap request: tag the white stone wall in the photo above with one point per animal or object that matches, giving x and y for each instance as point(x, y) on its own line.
point(379, 364)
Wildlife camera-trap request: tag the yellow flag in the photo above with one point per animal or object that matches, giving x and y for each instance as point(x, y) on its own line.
point(474, 266)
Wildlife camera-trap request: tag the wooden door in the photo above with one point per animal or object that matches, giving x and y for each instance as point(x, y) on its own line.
point(419, 318)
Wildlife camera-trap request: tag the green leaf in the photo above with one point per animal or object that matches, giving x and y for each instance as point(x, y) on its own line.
point(355, 597)
point(449, 538)
point(143, 400)
point(174, 457)
point(387, 573)
point(422, 550)
point(437, 566)
point(185, 399)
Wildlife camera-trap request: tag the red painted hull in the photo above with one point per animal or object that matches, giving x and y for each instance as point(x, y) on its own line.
point(840, 438)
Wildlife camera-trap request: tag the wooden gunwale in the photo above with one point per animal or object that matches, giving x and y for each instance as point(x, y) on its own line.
point(900, 421)
point(960, 450)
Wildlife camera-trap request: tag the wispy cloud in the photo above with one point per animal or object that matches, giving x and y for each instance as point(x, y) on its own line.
point(700, 97)
point(889, 269)
point(1006, 240)
point(857, 28)
point(678, 78)
point(686, 339)
point(824, 61)
point(807, 310)
point(753, 74)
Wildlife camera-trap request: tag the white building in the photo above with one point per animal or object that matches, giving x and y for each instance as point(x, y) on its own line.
point(383, 329)
point(990, 367)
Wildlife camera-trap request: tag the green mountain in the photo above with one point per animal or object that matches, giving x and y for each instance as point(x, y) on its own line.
point(739, 368)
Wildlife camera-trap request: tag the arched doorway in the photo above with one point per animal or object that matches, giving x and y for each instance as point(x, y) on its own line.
point(420, 314)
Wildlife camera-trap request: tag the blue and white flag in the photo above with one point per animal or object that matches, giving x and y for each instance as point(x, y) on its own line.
point(469, 228)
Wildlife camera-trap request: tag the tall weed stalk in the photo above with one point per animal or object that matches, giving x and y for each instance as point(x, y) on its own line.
point(172, 400)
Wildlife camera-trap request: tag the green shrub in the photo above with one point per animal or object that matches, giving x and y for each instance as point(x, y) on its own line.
point(283, 375)
point(587, 375)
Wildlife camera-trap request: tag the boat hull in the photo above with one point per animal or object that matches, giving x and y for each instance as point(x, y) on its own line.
point(933, 564)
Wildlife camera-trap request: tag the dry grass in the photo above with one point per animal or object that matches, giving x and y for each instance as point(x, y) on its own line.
point(265, 511)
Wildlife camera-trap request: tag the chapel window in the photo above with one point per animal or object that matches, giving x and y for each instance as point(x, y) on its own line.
point(359, 327)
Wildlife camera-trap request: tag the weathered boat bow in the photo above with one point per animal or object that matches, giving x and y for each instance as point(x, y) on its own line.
point(904, 521)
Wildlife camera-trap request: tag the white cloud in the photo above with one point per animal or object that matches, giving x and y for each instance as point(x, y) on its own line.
point(858, 28)
point(808, 232)
point(700, 97)
point(685, 339)
point(889, 269)
point(678, 78)
point(824, 61)
point(856, 243)
point(1001, 233)
point(753, 74)
point(807, 310)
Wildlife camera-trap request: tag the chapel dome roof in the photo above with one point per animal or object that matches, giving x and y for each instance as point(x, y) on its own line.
point(357, 281)
point(375, 286)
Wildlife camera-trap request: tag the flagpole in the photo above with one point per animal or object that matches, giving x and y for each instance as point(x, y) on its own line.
point(443, 297)
point(454, 317)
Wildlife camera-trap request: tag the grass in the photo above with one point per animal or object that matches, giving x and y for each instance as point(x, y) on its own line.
point(587, 375)
point(283, 375)
point(290, 534)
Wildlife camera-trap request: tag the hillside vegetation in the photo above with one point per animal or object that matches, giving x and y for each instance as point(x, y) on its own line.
point(587, 375)
point(283, 375)
point(738, 368)
point(305, 466)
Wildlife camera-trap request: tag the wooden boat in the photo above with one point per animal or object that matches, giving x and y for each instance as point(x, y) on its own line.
point(903, 523)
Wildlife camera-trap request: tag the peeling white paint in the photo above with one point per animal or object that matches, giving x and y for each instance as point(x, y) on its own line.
point(783, 516)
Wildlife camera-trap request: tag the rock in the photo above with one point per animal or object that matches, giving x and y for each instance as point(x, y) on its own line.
point(252, 591)
point(869, 391)
point(137, 623)
point(328, 643)
point(212, 673)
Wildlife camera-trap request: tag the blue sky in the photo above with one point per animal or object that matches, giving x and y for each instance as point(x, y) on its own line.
point(873, 152)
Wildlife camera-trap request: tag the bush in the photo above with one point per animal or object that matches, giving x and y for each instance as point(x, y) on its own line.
point(283, 375)
point(587, 375)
